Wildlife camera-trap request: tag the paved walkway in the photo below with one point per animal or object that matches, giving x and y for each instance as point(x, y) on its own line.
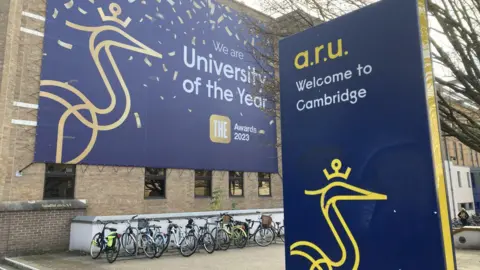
point(252, 258)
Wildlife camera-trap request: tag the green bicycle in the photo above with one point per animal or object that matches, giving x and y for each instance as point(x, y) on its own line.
point(227, 230)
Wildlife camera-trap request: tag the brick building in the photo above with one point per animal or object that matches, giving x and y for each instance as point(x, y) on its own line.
point(61, 192)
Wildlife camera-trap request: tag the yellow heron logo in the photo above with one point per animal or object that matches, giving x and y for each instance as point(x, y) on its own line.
point(96, 47)
point(324, 261)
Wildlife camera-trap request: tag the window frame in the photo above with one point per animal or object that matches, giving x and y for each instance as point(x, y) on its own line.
point(264, 179)
point(461, 154)
point(459, 176)
point(456, 153)
point(236, 178)
point(56, 175)
point(471, 156)
point(468, 180)
point(155, 178)
point(208, 178)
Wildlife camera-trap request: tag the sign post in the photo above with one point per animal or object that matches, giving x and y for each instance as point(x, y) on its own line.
point(362, 168)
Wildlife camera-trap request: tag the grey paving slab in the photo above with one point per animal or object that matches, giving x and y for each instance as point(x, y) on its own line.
point(252, 258)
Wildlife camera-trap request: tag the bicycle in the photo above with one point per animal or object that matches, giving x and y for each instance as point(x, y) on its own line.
point(229, 230)
point(110, 244)
point(262, 230)
point(145, 239)
point(129, 238)
point(204, 237)
point(185, 242)
point(279, 231)
point(159, 238)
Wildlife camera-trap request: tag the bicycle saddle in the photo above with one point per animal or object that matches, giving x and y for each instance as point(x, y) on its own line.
point(111, 229)
point(278, 223)
point(248, 220)
point(171, 225)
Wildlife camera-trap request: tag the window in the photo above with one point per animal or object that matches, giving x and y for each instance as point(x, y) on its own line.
point(264, 184)
point(59, 181)
point(471, 157)
point(461, 154)
point(155, 183)
point(463, 205)
point(468, 180)
point(236, 184)
point(456, 152)
point(459, 179)
point(203, 183)
point(470, 206)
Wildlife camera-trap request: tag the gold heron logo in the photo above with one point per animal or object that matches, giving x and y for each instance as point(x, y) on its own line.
point(331, 204)
point(95, 50)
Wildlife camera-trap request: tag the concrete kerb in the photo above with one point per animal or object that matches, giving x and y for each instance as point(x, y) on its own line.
point(18, 265)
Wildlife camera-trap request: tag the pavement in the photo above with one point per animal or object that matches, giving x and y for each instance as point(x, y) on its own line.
point(251, 258)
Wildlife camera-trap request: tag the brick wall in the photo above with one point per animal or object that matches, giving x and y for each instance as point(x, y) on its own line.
point(120, 191)
point(461, 154)
point(26, 228)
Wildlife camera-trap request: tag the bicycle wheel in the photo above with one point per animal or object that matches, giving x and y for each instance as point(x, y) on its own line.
point(112, 251)
point(96, 246)
point(281, 233)
point(160, 243)
point(188, 245)
point(239, 237)
point(148, 245)
point(208, 242)
point(201, 232)
point(222, 240)
point(129, 243)
point(264, 237)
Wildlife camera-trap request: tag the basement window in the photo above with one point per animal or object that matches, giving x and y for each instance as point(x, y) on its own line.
point(264, 184)
point(59, 181)
point(155, 183)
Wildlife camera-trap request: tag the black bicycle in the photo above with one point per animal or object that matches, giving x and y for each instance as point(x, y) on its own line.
point(263, 234)
point(204, 237)
point(110, 244)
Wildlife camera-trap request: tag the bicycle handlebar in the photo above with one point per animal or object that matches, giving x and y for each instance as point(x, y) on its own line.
point(106, 222)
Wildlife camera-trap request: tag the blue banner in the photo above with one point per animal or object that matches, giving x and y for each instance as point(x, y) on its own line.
point(170, 84)
point(362, 167)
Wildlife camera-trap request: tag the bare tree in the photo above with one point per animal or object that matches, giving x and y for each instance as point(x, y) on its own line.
point(455, 25)
point(456, 47)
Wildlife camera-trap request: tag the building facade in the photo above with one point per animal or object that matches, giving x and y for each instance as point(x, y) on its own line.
point(462, 174)
point(108, 190)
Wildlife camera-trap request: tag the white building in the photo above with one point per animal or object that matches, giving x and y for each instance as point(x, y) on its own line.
point(459, 189)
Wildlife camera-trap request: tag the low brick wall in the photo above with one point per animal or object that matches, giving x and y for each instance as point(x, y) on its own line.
point(37, 227)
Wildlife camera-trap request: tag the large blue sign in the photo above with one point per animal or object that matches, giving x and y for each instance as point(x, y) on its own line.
point(362, 169)
point(153, 83)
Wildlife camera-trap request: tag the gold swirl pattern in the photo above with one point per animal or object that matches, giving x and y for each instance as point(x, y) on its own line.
point(435, 137)
point(94, 111)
